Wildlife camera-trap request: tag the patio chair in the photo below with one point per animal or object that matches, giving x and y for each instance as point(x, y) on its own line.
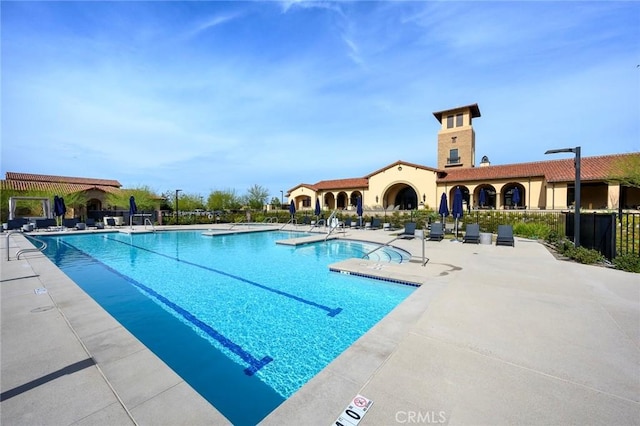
point(409, 231)
point(472, 234)
point(69, 223)
point(375, 223)
point(45, 223)
point(347, 222)
point(505, 236)
point(111, 222)
point(436, 231)
point(16, 223)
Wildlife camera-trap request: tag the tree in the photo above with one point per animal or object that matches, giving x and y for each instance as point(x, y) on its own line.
point(275, 202)
point(223, 200)
point(257, 197)
point(146, 199)
point(626, 171)
point(188, 201)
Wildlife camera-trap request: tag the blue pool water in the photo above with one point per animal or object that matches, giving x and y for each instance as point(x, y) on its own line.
point(234, 315)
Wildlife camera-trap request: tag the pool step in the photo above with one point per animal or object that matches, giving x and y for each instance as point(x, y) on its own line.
point(306, 240)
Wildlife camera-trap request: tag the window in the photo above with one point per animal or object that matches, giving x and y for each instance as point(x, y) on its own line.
point(453, 157)
point(449, 121)
point(459, 122)
point(306, 202)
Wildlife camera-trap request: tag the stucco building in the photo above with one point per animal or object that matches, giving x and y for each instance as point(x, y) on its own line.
point(540, 185)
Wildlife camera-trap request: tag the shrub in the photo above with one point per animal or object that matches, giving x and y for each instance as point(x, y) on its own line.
point(531, 230)
point(629, 262)
point(586, 256)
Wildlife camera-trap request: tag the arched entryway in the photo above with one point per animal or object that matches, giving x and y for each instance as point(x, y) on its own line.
point(485, 197)
point(329, 201)
point(466, 197)
point(400, 196)
point(342, 200)
point(513, 196)
point(353, 202)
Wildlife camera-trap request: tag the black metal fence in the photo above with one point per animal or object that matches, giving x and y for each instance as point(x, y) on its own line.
point(628, 234)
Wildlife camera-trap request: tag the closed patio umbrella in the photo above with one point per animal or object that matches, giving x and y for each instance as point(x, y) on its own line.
point(292, 209)
point(317, 211)
point(56, 208)
point(516, 196)
point(133, 209)
point(444, 207)
point(359, 210)
point(457, 212)
point(483, 198)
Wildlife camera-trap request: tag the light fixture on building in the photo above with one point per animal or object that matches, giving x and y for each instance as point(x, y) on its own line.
point(399, 168)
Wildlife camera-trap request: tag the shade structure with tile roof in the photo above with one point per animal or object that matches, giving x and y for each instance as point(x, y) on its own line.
point(94, 190)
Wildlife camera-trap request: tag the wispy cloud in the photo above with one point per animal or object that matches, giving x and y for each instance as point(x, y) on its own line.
point(202, 26)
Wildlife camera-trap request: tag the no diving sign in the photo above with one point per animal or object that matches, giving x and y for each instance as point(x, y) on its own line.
point(354, 412)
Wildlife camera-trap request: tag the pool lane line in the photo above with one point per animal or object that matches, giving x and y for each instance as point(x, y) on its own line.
point(254, 363)
point(332, 312)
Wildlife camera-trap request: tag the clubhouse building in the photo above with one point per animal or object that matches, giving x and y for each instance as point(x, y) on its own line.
point(542, 185)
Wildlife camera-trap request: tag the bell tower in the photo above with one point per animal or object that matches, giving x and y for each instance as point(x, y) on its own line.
point(456, 137)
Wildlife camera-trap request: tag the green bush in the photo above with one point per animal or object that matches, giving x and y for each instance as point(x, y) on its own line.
point(531, 230)
point(629, 262)
point(586, 256)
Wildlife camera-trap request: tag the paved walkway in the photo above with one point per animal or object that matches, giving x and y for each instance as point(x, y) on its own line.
point(495, 335)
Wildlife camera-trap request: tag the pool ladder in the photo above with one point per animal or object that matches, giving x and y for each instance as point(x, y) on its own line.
point(27, 250)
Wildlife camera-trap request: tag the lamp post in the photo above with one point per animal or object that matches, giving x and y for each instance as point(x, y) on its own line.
point(177, 209)
point(576, 222)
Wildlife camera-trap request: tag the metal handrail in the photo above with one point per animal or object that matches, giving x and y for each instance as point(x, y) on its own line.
point(146, 219)
point(379, 247)
point(332, 216)
point(27, 250)
point(292, 220)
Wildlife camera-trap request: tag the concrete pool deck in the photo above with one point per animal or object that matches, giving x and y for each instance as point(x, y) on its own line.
point(495, 335)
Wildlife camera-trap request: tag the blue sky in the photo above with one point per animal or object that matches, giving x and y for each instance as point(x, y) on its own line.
point(213, 95)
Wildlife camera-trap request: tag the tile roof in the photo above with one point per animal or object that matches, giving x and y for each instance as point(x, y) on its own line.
point(61, 179)
point(591, 169)
point(475, 111)
point(61, 184)
point(342, 183)
point(403, 163)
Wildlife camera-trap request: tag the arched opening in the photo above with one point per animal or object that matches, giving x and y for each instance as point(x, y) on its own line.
point(400, 196)
point(513, 196)
point(329, 201)
point(485, 197)
point(342, 200)
point(353, 202)
point(466, 197)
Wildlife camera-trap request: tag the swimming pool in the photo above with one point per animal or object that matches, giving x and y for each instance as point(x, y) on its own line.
point(234, 315)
